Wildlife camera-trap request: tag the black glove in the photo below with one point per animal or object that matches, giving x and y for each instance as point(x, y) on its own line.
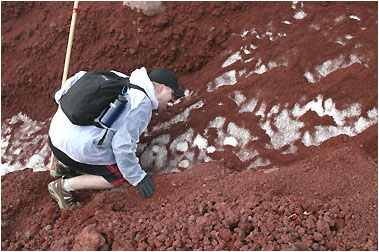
point(146, 187)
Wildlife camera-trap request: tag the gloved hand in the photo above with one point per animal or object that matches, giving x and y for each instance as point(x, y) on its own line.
point(146, 187)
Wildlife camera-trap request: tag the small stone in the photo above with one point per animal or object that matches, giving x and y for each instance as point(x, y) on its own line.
point(28, 235)
point(274, 169)
point(340, 223)
point(226, 234)
point(47, 227)
point(316, 246)
point(176, 244)
point(368, 245)
point(306, 241)
point(317, 236)
point(323, 227)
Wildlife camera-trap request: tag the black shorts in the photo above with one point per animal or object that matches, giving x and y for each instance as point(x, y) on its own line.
point(110, 172)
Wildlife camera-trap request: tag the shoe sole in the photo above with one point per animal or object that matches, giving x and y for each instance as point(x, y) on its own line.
point(56, 197)
point(55, 175)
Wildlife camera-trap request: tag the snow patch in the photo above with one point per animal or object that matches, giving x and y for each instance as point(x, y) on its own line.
point(300, 15)
point(354, 17)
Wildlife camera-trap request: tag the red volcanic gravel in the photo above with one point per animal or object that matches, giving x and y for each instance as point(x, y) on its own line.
point(323, 197)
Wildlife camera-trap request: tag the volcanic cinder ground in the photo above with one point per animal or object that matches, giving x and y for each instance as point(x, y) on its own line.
point(273, 147)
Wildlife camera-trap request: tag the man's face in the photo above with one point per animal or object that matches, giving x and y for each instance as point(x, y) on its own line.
point(165, 94)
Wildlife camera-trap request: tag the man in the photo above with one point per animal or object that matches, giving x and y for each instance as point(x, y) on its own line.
point(105, 159)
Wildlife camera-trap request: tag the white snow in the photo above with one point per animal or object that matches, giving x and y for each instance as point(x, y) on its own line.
point(232, 59)
point(200, 142)
point(230, 141)
point(28, 132)
point(248, 107)
point(182, 146)
point(300, 15)
point(330, 66)
point(354, 17)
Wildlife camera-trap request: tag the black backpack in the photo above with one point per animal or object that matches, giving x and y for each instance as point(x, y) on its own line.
point(91, 94)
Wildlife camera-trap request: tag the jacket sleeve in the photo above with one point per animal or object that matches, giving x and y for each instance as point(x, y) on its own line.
point(58, 93)
point(124, 142)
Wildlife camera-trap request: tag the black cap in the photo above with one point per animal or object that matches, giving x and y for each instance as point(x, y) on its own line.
point(166, 77)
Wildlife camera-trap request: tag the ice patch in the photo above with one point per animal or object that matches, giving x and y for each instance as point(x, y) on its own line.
point(339, 19)
point(242, 134)
point(245, 155)
point(261, 110)
point(245, 50)
point(200, 142)
point(184, 164)
point(287, 130)
point(262, 69)
point(332, 65)
point(258, 163)
point(274, 110)
point(300, 15)
point(232, 59)
point(339, 41)
point(314, 27)
point(248, 107)
point(211, 149)
point(182, 146)
point(293, 6)
point(217, 123)
point(244, 33)
point(26, 137)
point(354, 17)
point(239, 98)
point(230, 141)
point(228, 78)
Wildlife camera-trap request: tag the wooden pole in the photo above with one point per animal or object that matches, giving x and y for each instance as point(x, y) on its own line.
point(67, 61)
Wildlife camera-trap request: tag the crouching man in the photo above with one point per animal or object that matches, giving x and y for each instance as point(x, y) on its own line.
point(91, 157)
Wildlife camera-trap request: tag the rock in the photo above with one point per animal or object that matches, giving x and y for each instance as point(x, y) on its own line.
point(340, 223)
point(148, 8)
point(89, 239)
point(299, 246)
point(28, 235)
point(368, 245)
point(176, 244)
point(309, 223)
point(225, 234)
point(307, 242)
point(323, 227)
point(316, 246)
point(161, 22)
point(317, 236)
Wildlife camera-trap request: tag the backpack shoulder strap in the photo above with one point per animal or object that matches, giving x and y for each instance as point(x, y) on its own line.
point(127, 84)
point(139, 88)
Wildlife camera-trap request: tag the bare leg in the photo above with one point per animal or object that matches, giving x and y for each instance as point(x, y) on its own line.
point(88, 181)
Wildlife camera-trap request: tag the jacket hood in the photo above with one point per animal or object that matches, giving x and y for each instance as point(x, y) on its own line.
point(140, 78)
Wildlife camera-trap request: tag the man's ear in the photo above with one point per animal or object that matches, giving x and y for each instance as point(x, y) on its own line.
point(160, 88)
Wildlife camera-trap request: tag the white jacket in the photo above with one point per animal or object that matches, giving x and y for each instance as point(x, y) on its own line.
point(120, 144)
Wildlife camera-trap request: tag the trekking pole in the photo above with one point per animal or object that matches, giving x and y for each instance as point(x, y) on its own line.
point(67, 60)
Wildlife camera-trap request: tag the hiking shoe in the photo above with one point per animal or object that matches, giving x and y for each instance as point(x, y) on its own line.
point(61, 170)
point(64, 198)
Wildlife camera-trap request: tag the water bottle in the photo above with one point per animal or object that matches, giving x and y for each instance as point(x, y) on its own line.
point(115, 108)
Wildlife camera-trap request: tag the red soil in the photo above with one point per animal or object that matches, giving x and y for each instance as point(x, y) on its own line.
point(322, 198)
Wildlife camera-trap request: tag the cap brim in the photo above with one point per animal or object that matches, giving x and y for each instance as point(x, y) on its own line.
point(178, 93)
